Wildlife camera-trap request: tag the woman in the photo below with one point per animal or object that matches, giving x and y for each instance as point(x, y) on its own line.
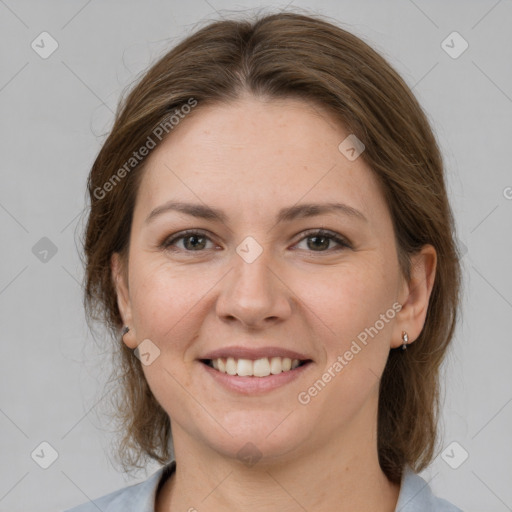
point(271, 239)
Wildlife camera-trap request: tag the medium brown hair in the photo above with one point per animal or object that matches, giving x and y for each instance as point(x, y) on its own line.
point(302, 56)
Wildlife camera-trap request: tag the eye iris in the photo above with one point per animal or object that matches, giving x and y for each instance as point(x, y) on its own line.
point(325, 245)
point(194, 245)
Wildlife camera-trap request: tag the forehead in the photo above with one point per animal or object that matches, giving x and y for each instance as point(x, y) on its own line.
point(258, 152)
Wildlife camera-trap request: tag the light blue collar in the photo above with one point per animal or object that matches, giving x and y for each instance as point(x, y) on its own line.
point(415, 494)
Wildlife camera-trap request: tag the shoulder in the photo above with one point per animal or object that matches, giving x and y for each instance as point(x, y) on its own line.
point(416, 496)
point(132, 498)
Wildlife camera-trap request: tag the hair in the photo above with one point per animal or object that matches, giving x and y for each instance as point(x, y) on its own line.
point(306, 57)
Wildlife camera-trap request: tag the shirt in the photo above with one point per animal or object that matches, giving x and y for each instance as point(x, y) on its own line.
point(415, 495)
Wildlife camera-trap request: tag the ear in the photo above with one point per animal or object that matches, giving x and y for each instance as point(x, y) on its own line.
point(414, 296)
point(120, 280)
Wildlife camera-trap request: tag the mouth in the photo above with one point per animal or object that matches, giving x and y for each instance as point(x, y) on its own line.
point(258, 368)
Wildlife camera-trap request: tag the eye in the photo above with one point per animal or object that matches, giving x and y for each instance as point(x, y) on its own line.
point(194, 241)
point(321, 239)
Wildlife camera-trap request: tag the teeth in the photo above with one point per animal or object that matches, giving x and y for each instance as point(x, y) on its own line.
point(244, 367)
point(261, 367)
point(231, 366)
point(258, 368)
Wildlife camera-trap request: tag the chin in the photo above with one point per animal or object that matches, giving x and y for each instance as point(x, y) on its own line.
point(262, 438)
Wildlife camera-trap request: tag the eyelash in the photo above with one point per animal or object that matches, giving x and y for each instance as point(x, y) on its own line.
point(169, 241)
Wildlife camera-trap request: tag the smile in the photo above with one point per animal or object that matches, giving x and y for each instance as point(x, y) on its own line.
point(248, 382)
point(262, 367)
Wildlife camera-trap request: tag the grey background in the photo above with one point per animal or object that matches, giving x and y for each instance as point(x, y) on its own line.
point(55, 112)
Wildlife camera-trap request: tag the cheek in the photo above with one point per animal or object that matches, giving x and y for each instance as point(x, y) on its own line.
point(350, 305)
point(348, 308)
point(170, 305)
point(162, 298)
point(349, 299)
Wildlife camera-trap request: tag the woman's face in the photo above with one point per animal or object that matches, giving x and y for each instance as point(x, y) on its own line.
point(257, 283)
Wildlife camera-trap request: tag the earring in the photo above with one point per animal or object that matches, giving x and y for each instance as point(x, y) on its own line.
point(125, 330)
point(405, 339)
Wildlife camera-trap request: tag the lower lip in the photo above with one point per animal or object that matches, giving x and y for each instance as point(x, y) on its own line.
point(255, 385)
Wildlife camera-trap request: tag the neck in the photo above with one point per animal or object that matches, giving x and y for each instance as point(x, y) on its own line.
point(340, 476)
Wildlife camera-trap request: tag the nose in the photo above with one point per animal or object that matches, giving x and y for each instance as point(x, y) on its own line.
point(254, 294)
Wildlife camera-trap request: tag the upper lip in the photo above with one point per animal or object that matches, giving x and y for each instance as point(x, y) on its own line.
point(238, 352)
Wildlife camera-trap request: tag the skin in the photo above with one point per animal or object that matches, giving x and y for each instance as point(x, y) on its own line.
point(251, 158)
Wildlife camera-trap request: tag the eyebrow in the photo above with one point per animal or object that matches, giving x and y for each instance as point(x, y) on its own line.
point(285, 214)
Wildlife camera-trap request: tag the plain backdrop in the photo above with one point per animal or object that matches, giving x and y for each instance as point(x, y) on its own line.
point(55, 112)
